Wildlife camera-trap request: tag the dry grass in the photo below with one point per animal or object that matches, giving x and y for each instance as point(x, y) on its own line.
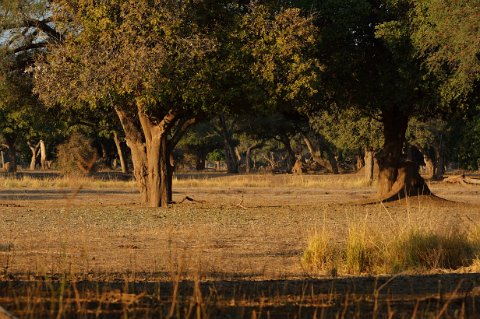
point(62, 182)
point(104, 238)
point(369, 249)
point(347, 181)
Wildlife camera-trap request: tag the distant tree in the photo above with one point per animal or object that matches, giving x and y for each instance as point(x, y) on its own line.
point(198, 142)
point(351, 132)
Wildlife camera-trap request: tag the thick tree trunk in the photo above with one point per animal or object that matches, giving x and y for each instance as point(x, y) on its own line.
point(397, 178)
point(120, 152)
point(369, 164)
point(43, 155)
point(151, 151)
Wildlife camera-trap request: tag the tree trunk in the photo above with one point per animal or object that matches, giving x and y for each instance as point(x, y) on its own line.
point(2, 160)
point(43, 155)
point(136, 145)
point(439, 161)
point(200, 160)
point(230, 156)
point(120, 152)
point(34, 149)
point(12, 156)
point(397, 178)
point(330, 164)
point(429, 165)
point(291, 160)
point(248, 157)
point(359, 162)
point(369, 164)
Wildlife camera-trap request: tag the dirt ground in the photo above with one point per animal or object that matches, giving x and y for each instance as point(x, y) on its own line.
point(254, 233)
point(228, 234)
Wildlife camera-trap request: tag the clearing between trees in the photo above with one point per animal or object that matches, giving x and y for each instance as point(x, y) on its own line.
point(240, 235)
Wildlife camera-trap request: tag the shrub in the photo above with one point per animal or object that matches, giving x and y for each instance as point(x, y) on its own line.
point(77, 156)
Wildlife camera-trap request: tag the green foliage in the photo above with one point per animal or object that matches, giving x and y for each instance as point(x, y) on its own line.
point(447, 37)
point(463, 141)
point(349, 130)
point(77, 156)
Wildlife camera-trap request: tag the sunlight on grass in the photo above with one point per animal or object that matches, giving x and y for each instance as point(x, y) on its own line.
point(307, 181)
point(62, 182)
point(347, 181)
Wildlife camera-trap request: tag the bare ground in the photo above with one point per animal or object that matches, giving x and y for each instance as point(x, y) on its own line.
point(247, 236)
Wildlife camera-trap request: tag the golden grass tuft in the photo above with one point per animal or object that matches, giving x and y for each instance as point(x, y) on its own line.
point(367, 250)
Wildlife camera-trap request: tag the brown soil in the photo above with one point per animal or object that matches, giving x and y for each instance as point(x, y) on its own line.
point(245, 236)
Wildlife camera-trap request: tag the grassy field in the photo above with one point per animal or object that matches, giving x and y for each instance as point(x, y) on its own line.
point(86, 248)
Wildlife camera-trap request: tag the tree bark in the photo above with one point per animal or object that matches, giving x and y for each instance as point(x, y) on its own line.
point(120, 152)
point(152, 141)
point(2, 160)
point(12, 155)
point(291, 160)
point(369, 164)
point(230, 156)
point(43, 155)
point(397, 178)
point(359, 162)
point(330, 164)
point(133, 137)
point(248, 156)
point(34, 149)
point(439, 160)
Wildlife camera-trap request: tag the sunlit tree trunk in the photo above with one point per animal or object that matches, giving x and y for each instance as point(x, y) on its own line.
point(369, 164)
point(397, 178)
point(43, 155)
point(34, 149)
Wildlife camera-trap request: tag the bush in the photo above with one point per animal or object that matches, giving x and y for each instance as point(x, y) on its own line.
point(77, 156)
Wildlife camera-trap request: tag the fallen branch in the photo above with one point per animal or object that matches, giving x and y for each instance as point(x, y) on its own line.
point(462, 179)
point(188, 198)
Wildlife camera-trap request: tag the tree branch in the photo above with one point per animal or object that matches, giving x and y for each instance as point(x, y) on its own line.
point(183, 126)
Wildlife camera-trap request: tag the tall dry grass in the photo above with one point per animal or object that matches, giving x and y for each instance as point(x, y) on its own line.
point(347, 181)
point(62, 182)
point(373, 249)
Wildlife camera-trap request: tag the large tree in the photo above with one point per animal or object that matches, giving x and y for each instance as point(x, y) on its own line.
point(163, 65)
point(371, 65)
